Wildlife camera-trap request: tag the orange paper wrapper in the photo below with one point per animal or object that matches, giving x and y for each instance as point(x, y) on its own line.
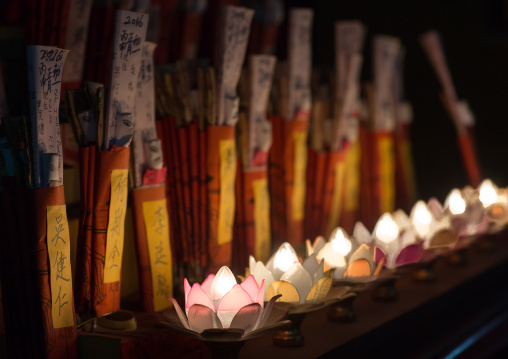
point(366, 209)
point(105, 296)
point(383, 177)
point(330, 217)
point(276, 182)
point(219, 248)
point(467, 149)
point(59, 343)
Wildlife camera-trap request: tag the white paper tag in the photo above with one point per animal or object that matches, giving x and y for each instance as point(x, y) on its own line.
point(260, 131)
point(234, 36)
point(129, 38)
point(144, 111)
point(45, 67)
point(464, 113)
point(299, 61)
point(75, 41)
point(386, 49)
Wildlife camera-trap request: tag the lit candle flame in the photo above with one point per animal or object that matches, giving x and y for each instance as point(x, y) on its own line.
point(488, 194)
point(421, 219)
point(340, 242)
point(456, 204)
point(387, 229)
point(285, 257)
point(222, 283)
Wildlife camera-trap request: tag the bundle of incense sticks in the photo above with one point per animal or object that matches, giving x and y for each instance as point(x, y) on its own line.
point(458, 110)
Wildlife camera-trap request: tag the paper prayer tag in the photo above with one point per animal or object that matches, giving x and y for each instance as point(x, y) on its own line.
point(76, 37)
point(261, 72)
point(155, 215)
point(386, 50)
point(144, 112)
point(261, 219)
point(299, 180)
point(352, 178)
point(227, 191)
point(300, 61)
point(116, 226)
point(129, 38)
point(387, 170)
point(45, 66)
point(58, 243)
point(338, 188)
point(233, 41)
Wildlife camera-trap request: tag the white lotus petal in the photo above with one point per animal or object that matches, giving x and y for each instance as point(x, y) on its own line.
point(362, 234)
point(311, 264)
point(260, 273)
point(300, 278)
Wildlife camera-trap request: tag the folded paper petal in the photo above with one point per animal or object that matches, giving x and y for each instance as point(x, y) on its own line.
point(286, 290)
point(332, 258)
point(320, 271)
point(311, 264)
point(201, 317)
point(198, 296)
point(260, 273)
point(299, 277)
point(252, 264)
point(409, 254)
point(246, 318)
point(358, 268)
point(319, 290)
point(362, 234)
point(266, 314)
point(186, 288)
point(442, 238)
point(233, 300)
point(250, 286)
point(180, 314)
point(379, 254)
point(207, 284)
point(260, 297)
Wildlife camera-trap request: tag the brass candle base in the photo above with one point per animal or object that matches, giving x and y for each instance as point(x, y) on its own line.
point(458, 258)
point(225, 350)
point(426, 274)
point(386, 291)
point(291, 335)
point(343, 311)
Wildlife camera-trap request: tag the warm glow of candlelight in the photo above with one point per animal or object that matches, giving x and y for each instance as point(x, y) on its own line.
point(222, 283)
point(421, 219)
point(387, 229)
point(456, 204)
point(340, 242)
point(488, 193)
point(285, 257)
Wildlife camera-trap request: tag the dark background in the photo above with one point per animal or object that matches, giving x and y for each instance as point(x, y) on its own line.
point(475, 39)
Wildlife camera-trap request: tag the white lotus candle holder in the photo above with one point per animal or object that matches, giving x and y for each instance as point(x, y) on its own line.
point(220, 309)
point(495, 202)
point(468, 214)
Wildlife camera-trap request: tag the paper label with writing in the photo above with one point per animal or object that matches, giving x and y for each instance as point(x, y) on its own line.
point(260, 132)
point(338, 190)
point(144, 130)
point(75, 40)
point(352, 179)
point(387, 174)
point(261, 219)
point(227, 191)
point(129, 38)
point(235, 30)
point(59, 252)
point(155, 215)
point(300, 169)
point(299, 60)
point(45, 66)
point(116, 226)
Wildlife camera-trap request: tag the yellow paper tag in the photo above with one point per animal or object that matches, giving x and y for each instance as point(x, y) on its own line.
point(387, 178)
point(59, 252)
point(261, 219)
point(300, 169)
point(407, 167)
point(352, 179)
point(155, 215)
point(116, 226)
point(227, 191)
point(336, 205)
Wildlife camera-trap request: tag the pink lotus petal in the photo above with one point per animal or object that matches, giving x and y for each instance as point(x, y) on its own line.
point(409, 254)
point(201, 318)
point(186, 288)
point(235, 299)
point(378, 254)
point(207, 284)
point(260, 297)
point(198, 296)
point(250, 286)
point(247, 317)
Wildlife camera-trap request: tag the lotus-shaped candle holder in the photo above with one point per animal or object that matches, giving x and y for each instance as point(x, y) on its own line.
point(220, 310)
point(306, 286)
point(495, 202)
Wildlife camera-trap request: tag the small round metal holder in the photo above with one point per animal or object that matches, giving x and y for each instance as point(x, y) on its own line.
point(458, 258)
point(425, 273)
point(386, 291)
point(343, 311)
point(290, 335)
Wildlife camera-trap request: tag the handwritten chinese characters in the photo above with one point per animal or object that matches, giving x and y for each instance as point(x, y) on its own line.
point(155, 215)
point(227, 190)
point(116, 226)
point(129, 38)
point(45, 66)
point(60, 266)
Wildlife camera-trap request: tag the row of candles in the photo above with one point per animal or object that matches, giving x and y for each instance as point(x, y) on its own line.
point(219, 309)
